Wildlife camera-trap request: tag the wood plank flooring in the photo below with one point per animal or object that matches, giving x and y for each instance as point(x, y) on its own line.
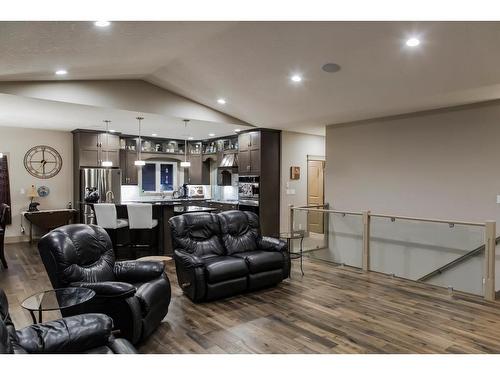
point(329, 310)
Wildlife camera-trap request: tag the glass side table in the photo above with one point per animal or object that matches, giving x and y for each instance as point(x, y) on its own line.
point(56, 299)
point(289, 237)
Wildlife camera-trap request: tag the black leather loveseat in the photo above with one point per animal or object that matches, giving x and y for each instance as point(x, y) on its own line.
point(218, 255)
point(88, 333)
point(135, 294)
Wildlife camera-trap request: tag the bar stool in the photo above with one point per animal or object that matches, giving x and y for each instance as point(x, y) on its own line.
point(106, 217)
point(142, 226)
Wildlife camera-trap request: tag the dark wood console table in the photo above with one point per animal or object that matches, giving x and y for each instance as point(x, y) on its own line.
point(48, 219)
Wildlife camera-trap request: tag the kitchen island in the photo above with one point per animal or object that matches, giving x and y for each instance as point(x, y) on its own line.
point(163, 210)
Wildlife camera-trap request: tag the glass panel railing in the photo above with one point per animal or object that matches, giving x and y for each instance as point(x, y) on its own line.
point(433, 252)
point(341, 240)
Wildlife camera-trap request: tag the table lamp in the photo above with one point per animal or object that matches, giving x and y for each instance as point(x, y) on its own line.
point(32, 195)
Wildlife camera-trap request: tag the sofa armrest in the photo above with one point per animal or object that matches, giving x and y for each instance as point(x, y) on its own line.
point(109, 289)
point(187, 260)
point(74, 334)
point(190, 275)
point(138, 271)
point(272, 244)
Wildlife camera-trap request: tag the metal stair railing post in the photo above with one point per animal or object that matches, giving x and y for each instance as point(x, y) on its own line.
point(366, 241)
point(489, 260)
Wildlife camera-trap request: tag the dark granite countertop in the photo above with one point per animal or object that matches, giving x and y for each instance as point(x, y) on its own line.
point(186, 209)
point(223, 201)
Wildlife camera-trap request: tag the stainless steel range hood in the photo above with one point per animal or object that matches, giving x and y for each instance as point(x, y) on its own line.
point(229, 161)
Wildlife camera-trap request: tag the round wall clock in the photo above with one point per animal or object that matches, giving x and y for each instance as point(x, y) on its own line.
point(43, 162)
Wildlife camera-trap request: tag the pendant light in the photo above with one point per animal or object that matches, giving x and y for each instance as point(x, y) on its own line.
point(185, 163)
point(107, 162)
point(139, 162)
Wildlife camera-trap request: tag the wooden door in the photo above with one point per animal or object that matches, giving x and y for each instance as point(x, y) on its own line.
point(254, 140)
point(89, 158)
point(244, 166)
point(88, 141)
point(315, 195)
point(244, 141)
point(131, 169)
point(194, 171)
point(255, 161)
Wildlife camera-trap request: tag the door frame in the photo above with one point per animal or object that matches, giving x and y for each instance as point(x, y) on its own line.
point(314, 158)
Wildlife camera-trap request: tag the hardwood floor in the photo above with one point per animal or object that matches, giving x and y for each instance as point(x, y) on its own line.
point(329, 310)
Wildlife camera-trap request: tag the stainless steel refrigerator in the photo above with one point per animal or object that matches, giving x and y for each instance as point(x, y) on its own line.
point(108, 183)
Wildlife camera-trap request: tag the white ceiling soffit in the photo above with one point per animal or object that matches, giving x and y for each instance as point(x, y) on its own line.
point(250, 63)
point(133, 95)
point(17, 111)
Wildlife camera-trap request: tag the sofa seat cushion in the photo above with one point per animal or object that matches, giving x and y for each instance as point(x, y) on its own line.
point(261, 261)
point(224, 268)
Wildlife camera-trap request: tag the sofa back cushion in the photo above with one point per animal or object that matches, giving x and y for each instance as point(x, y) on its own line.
point(240, 231)
point(77, 253)
point(197, 233)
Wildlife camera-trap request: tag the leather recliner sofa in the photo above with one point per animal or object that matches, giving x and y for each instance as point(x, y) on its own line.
point(218, 255)
point(135, 294)
point(88, 333)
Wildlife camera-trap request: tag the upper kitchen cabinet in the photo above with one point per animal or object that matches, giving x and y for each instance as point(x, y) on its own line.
point(129, 169)
point(249, 157)
point(199, 171)
point(92, 148)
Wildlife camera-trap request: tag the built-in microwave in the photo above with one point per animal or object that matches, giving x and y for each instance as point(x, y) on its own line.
point(248, 188)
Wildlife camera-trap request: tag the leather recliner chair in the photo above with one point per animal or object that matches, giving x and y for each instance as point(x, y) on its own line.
point(88, 333)
point(134, 294)
point(218, 255)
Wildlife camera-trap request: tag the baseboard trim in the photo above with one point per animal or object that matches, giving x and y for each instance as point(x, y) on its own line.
point(17, 239)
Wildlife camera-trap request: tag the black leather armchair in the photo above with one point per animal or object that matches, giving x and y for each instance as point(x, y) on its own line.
point(135, 294)
point(88, 333)
point(218, 255)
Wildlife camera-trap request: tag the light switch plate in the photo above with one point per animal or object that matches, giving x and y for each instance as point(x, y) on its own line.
point(498, 199)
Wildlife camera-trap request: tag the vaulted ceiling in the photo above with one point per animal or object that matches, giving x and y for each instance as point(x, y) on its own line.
point(250, 64)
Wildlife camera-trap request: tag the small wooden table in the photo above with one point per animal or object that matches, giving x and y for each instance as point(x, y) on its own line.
point(48, 219)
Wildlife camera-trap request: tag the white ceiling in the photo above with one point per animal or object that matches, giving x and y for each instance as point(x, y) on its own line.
point(249, 64)
point(24, 112)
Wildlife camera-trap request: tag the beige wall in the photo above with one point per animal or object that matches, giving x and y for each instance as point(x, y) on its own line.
point(439, 164)
point(294, 150)
point(15, 142)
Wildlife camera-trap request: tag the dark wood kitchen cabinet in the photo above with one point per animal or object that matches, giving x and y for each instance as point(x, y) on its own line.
point(129, 170)
point(249, 158)
point(92, 148)
point(259, 155)
point(199, 171)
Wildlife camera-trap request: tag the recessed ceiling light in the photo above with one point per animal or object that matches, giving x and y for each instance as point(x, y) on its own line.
point(412, 42)
point(154, 134)
point(211, 134)
point(296, 78)
point(237, 130)
point(331, 67)
point(61, 72)
point(221, 101)
point(190, 138)
point(102, 23)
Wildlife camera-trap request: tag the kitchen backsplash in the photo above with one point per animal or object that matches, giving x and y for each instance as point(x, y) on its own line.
point(133, 193)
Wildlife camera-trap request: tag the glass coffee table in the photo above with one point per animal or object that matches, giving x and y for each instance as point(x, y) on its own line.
point(289, 237)
point(56, 299)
